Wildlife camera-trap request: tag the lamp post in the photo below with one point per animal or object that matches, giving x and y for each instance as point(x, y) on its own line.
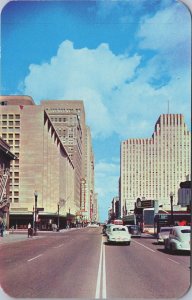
point(35, 221)
point(58, 216)
point(171, 201)
point(69, 217)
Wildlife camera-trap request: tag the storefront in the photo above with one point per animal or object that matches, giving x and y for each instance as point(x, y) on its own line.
point(44, 221)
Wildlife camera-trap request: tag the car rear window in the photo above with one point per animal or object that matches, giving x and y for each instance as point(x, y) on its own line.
point(119, 229)
point(165, 230)
point(186, 230)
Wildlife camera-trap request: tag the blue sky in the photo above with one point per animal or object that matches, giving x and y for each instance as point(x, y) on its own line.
point(125, 59)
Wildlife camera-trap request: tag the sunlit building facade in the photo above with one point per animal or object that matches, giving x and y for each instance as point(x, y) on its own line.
point(42, 163)
point(152, 168)
point(68, 119)
point(88, 181)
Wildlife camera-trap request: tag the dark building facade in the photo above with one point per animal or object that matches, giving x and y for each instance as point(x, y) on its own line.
point(5, 157)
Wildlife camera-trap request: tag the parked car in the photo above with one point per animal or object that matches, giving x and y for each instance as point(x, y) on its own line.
point(134, 230)
point(179, 239)
point(119, 234)
point(163, 234)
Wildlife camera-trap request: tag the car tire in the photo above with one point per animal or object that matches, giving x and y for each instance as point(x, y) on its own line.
point(172, 250)
point(128, 243)
point(165, 247)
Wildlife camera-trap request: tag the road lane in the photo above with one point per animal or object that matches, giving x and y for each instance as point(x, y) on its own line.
point(181, 257)
point(101, 270)
point(69, 271)
point(143, 274)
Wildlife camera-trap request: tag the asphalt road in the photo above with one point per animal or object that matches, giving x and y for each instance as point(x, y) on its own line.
point(80, 264)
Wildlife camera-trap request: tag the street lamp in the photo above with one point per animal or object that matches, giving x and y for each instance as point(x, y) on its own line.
point(35, 221)
point(58, 216)
point(171, 201)
point(69, 217)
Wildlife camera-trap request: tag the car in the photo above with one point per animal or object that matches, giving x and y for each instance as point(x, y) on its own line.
point(93, 225)
point(108, 228)
point(163, 234)
point(134, 230)
point(104, 229)
point(118, 234)
point(179, 239)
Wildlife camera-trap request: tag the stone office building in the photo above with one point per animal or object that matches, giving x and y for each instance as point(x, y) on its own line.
point(68, 118)
point(43, 164)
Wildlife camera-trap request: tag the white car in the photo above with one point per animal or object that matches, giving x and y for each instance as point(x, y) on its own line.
point(163, 234)
point(93, 225)
point(179, 239)
point(119, 234)
point(108, 228)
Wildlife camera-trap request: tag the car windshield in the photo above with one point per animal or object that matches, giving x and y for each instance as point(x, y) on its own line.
point(119, 229)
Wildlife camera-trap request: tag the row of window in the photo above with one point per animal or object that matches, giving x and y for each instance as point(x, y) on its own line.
point(10, 123)
point(13, 136)
point(15, 200)
point(10, 117)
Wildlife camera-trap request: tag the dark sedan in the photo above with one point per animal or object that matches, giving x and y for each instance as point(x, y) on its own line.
point(134, 230)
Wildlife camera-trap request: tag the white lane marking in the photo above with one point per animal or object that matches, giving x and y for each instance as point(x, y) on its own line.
point(176, 262)
point(97, 293)
point(58, 246)
point(104, 293)
point(35, 257)
point(145, 246)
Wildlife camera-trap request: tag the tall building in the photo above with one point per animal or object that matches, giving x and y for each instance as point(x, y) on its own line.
point(68, 119)
point(88, 181)
point(152, 168)
point(42, 163)
point(95, 208)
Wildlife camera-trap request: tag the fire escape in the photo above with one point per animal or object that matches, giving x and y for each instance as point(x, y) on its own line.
point(4, 176)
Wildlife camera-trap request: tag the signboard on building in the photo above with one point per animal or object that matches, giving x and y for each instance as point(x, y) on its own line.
point(147, 203)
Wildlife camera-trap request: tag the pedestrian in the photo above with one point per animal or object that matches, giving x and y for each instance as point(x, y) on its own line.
point(1, 228)
point(29, 230)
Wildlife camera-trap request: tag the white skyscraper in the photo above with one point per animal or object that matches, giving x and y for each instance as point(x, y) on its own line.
point(154, 167)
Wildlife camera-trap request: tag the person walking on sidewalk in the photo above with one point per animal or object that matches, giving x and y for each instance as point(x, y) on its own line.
point(30, 231)
point(1, 228)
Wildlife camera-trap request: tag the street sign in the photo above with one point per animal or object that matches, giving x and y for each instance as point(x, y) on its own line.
point(147, 203)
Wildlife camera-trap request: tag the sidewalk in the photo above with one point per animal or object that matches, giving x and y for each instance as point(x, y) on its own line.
point(21, 235)
point(16, 237)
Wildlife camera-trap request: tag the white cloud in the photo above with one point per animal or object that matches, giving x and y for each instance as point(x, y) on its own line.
point(168, 32)
point(103, 168)
point(87, 74)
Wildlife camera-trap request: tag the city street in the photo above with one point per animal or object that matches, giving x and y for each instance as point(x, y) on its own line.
point(80, 264)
